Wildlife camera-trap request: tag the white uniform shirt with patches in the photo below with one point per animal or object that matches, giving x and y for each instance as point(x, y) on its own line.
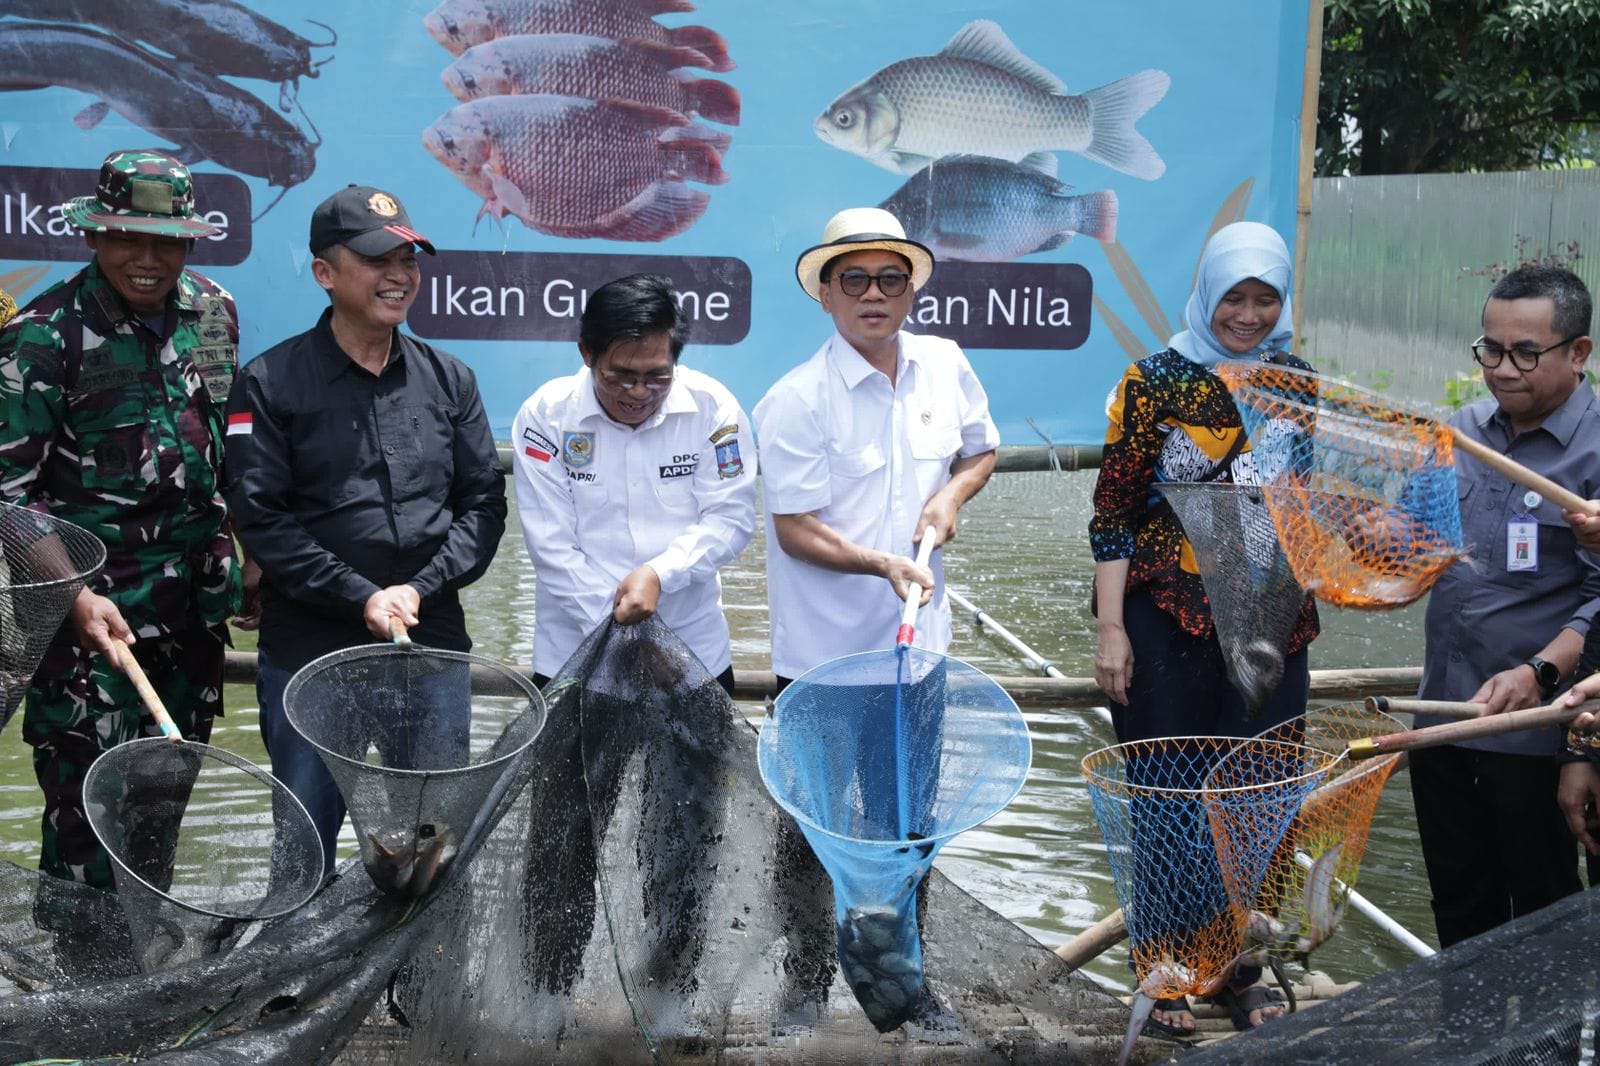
point(598, 499)
point(837, 440)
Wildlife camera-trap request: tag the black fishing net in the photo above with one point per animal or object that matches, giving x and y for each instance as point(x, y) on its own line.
point(187, 880)
point(1525, 994)
point(1255, 599)
point(44, 564)
point(627, 892)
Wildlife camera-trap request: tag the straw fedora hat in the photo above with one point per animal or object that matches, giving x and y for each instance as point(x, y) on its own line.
point(859, 229)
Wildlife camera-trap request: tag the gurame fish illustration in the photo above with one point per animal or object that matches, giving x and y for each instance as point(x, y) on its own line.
point(203, 116)
point(991, 211)
point(571, 167)
point(460, 24)
point(597, 68)
point(981, 96)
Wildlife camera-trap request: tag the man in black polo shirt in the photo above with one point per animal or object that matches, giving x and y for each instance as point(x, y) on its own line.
point(362, 476)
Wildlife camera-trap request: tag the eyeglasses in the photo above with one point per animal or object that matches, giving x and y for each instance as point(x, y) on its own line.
point(1490, 355)
point(629, 382)
point(891, 282)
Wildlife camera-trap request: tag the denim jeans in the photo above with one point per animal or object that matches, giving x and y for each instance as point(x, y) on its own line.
point(294, 761)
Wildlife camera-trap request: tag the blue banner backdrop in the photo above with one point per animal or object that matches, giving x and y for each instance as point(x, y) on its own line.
point(1066, 161)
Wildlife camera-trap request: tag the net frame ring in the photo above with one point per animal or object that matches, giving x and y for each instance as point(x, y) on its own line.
point(299, 819)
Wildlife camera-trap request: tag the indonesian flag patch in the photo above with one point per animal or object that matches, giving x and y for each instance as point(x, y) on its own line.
point(241, 423)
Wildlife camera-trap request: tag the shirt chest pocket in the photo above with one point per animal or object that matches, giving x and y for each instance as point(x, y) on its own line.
point(117, 452)
point(936, 440)
point(847, 462)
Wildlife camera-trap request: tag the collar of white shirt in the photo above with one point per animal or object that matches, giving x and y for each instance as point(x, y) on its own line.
point(853, 368)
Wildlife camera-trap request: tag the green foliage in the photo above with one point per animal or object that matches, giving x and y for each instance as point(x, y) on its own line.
point(1463, 389)
point(1415, 86)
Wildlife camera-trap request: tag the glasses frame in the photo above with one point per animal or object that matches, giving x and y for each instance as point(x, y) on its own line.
point(1482, 343)
point(866, 281)
point(628, 382)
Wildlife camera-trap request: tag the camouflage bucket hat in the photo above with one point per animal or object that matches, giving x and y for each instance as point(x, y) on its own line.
point(141, 192)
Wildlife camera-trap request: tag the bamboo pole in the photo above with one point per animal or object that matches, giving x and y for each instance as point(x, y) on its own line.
point(1309, 85)
point(1107, 933)
point(1473, 729)
point(1438, 708)
point(147, 692)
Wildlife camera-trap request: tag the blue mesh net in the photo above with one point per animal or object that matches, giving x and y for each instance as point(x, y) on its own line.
point(882, 758)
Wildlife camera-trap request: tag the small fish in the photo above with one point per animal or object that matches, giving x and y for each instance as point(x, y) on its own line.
point(1325, 901)
point(204, 116)
point(596, 68)
point(1167, 979)
point(1257, 671)
point(460, 24)
point(408, 863)
point(219, 36)
point(571, 167)
point(981, 96)
point(991, 211)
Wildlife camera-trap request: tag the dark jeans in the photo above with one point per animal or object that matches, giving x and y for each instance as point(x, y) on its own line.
point(1180, 685)
point(1496, 845)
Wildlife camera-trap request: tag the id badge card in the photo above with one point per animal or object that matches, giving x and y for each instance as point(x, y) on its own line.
point(1522, 543)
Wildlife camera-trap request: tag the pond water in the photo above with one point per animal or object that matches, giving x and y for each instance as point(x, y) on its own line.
point(1022, 555)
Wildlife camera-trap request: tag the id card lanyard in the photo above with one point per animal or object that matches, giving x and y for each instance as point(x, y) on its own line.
point(1522, 537)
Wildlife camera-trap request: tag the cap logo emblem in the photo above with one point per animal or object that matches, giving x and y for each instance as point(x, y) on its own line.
point(381, 203)
point(152, 197)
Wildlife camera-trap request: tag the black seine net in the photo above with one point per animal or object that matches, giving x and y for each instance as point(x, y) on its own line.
point(44, 564)
point(188, 875)
point(627, 892)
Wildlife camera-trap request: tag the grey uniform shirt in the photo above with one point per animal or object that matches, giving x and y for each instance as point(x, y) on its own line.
point(1483, 619)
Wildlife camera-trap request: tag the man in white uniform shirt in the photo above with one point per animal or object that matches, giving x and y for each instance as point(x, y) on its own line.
point(631, 485)
point(878, 435)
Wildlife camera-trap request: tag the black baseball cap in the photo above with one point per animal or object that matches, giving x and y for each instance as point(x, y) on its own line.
point(365, 220)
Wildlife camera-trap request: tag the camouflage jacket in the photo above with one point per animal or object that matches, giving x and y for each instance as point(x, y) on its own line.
point(106, 425)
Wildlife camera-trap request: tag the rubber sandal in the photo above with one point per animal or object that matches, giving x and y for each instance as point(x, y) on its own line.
point(1167, 1028)
point(1241, 1003)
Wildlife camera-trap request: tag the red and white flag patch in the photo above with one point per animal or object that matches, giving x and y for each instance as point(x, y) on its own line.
point(242, 422)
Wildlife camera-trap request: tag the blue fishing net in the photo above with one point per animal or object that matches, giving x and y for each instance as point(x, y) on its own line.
point(882, 758)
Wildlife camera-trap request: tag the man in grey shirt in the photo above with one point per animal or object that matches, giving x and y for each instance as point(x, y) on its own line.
point(1505, 625)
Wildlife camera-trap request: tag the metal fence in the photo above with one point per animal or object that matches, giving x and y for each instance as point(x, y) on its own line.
point(1392, 299)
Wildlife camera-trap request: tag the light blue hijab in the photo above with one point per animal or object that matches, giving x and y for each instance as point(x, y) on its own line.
point(1233, 254)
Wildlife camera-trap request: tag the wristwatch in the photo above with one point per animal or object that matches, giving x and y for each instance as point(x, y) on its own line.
point(1546, 673)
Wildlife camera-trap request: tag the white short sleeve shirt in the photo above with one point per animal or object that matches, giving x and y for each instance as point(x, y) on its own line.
point(597, 499)
point(838, 440)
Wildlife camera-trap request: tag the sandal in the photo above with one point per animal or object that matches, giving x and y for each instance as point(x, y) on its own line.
point(1242, 1002)
point(1171, 1028)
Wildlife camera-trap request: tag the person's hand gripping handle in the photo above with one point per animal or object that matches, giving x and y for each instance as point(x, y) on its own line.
point(908, 617)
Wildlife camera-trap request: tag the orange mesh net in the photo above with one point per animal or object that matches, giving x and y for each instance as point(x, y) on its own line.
point(1361, 490)
point(1192, 825)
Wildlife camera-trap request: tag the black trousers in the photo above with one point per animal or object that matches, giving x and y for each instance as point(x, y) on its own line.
point(1495, 843)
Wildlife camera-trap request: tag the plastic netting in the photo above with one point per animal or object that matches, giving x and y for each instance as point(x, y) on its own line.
point(1191, 826)
point(1525, 994)
point(1255, 599)
point(44, 564)
point(1304, 894)
point(412, 746)
point(186, 877)
point(1361, 489)
point(627, 893)
point(882, 758)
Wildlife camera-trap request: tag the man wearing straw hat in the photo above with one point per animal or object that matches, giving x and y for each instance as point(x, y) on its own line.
point(362, 474)
point(1505, 627)
point(111, 401)
point(880, 434)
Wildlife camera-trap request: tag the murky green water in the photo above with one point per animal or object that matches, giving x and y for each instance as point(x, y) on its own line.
point(1023, 556)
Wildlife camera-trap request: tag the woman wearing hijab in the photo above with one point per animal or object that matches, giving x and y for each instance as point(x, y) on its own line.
point(1171, 419)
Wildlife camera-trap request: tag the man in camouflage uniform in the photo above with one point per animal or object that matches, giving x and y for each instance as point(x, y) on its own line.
point(112, 386)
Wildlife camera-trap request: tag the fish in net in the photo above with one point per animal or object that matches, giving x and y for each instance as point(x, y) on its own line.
point(1254, 597)
point(44, 563)
point(1191, 825)
point(628, 892)
point(1362, 490)
point(414, 747)
point(187, 881)
point(882, 758)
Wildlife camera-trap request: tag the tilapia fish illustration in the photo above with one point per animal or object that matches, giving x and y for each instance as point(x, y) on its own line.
point(990, 211)
point(981, 96)
point(202, 115)
point(596, 68)
point(572, 167)
point(460, 24)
